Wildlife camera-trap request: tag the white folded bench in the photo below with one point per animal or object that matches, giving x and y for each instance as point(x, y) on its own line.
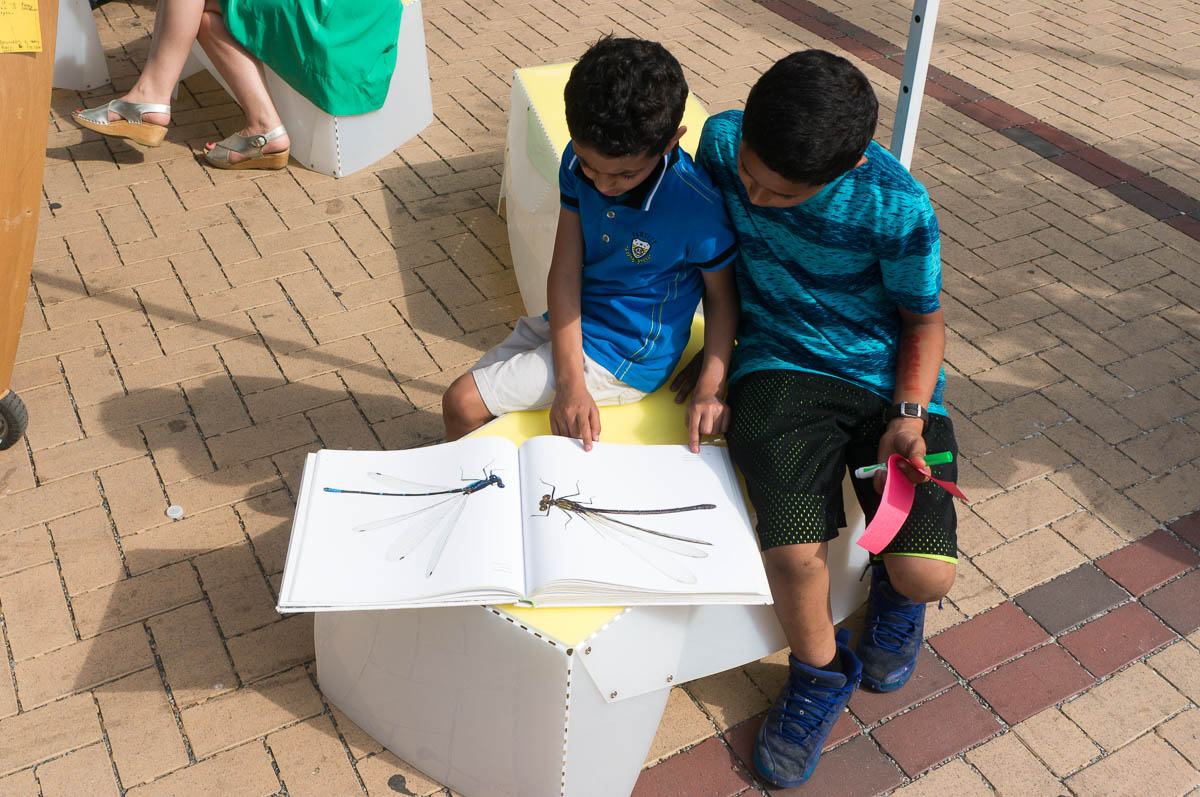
point(341, 145)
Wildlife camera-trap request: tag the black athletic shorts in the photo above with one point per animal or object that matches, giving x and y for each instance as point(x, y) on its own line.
point(794, 434)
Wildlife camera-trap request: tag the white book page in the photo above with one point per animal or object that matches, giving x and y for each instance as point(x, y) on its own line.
point(374, 550)
point(701, 550)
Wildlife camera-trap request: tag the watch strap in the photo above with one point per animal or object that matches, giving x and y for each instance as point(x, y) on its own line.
point(907, 409)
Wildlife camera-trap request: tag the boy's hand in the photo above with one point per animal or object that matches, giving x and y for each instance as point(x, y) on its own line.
point(707, 414)
point(903, 437)
point(685, 381)
point(574, 414)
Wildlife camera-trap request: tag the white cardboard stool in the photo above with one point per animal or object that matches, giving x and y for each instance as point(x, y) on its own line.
point(78, 57)
point(341, 145)
point(487, 703)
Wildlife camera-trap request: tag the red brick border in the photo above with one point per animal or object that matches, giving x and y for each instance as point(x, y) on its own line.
point(1011, 680)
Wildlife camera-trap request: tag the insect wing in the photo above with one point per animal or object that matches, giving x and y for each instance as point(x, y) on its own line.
point(447, 524)
point(396, 483)
point(623, 536)
point(417, 527)
point(651, 537)
point(398, 519)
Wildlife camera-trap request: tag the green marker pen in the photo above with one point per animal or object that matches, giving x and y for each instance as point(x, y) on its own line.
point(940, 458)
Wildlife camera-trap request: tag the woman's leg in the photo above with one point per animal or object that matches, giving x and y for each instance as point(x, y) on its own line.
point(175, 28)
point(244, 74)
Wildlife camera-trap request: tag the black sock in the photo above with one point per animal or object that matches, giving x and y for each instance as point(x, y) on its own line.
point(833, 666)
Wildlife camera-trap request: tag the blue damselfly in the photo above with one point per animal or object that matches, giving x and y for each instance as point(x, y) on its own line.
point(441, 516)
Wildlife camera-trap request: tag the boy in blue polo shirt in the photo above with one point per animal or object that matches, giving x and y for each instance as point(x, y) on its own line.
point(838, 365)
point(642, 237)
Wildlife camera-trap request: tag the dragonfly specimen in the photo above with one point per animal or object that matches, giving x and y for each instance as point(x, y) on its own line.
point(441, 516)
point(638, 540)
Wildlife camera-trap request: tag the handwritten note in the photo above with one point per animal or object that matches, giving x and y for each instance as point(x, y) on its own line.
point(20, 31)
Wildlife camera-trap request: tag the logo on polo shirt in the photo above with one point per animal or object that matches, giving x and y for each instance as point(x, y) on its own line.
point(638, 250)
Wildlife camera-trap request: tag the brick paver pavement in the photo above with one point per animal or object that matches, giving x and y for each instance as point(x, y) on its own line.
point(190, 335)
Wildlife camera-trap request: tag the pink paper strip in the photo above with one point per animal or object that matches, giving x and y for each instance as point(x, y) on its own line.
point(893, 509)
point(895, 505)
point(949, 487)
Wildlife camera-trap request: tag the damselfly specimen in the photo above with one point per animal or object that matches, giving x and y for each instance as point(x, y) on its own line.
point(638, 540)
point(441, 516)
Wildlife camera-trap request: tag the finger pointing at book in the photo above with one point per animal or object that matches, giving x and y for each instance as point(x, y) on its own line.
point(574, 414)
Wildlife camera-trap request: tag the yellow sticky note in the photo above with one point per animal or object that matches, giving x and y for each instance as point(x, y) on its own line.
point(20, 31)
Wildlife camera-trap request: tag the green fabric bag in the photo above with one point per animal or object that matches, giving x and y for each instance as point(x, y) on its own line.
point(339, 54)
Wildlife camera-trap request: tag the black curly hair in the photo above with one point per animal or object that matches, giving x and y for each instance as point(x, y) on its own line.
point(625, 97)
point(810, 117)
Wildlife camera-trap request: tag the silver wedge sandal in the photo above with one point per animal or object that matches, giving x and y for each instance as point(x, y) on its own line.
point(252, 148)
point(130, 125)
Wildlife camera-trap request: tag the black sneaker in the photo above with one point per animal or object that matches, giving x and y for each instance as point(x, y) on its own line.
point(891, 636)
point(791, 737)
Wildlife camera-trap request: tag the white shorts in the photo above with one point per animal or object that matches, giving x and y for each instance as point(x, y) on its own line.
point(518, 374)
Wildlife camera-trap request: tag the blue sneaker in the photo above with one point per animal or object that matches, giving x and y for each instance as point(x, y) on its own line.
point(891, 636)
point(791, 737)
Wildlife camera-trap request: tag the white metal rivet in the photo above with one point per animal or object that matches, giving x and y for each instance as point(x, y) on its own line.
point(610, 214)
point(604, 238)
point(174, 511)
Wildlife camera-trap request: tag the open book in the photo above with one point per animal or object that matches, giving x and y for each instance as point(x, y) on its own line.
point(478, 521)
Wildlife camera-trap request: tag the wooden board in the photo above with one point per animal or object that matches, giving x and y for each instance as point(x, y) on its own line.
point(25, 104)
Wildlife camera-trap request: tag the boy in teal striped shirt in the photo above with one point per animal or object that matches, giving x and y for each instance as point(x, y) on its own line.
point(837, 366)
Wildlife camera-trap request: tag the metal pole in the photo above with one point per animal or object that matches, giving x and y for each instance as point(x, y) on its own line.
point(912, 80)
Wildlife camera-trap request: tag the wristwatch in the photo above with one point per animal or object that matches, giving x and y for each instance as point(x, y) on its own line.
point(907, 409)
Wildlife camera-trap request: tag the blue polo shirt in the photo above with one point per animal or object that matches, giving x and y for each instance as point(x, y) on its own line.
point(643, 252)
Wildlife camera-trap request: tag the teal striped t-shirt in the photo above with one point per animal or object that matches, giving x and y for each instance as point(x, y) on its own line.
point(820, 282)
